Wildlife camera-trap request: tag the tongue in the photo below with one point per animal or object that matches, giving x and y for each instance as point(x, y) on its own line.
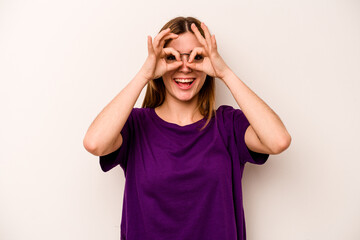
point(184, 84)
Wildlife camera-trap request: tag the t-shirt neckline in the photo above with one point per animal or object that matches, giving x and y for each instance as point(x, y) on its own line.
point(174, 125)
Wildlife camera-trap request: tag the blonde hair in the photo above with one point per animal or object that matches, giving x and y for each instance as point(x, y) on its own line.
point(155, 91)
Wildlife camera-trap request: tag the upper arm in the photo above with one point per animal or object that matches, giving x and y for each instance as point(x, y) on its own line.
point(253, 142)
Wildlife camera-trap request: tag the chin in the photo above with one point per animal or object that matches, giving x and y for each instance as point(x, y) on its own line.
point(184, 97)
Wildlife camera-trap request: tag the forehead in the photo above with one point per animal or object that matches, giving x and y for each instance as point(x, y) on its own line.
point(185, 43)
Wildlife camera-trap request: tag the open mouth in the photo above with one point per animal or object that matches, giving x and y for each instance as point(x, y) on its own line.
point(184, 83)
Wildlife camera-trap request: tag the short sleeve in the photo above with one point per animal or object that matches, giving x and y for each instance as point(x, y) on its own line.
point(119, 156)
point(238, 123)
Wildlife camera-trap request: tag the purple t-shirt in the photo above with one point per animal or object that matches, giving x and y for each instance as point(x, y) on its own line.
point(182, 183)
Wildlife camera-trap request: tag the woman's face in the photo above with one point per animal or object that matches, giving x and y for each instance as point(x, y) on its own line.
point(184, 83)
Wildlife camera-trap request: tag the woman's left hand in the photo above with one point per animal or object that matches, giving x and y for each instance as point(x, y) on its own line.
point(212, 64)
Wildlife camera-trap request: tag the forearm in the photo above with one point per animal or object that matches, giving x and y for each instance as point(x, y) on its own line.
point(265, 122)
point(103, 135)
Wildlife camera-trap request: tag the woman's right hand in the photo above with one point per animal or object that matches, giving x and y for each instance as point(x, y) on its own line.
point(156, 65)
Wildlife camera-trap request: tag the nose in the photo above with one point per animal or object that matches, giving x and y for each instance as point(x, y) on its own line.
point(184, 59)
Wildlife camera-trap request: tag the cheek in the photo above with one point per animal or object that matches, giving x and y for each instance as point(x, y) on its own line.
point(202, 81)
point(167, 77)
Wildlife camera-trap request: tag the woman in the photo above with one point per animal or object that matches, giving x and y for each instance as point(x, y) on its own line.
point(183, 161)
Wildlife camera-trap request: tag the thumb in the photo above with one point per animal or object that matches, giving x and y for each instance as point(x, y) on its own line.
point(194, 66)
point(174, 65)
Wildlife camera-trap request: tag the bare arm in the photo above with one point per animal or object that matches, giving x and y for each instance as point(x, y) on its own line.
point(266, 133)
point(103, 135)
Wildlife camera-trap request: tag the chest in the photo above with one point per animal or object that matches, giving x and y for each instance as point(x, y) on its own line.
point(178, 165)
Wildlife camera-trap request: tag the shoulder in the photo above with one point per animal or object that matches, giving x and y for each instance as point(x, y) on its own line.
point(231, 118)
point(224, 108)
point(226, 111)
point(137, 110)
point(140, 112)
point(142, 117)
point(138, 116)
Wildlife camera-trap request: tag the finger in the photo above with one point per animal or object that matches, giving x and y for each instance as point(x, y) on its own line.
point(149, 45)
point(213, 41)
point(160, 36)
point(196, 51)
point(198, 35)
point(171, 51)
point(167, 37)
point(173, 66)
point(207, 33)
point(195, 66)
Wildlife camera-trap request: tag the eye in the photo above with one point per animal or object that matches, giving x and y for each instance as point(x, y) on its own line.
point(198, 58)
point(170, 58)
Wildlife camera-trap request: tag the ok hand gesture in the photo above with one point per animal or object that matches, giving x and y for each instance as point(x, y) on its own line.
point(155, 65)
point(213, 64)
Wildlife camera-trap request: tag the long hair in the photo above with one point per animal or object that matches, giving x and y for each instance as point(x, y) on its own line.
point(155, 91)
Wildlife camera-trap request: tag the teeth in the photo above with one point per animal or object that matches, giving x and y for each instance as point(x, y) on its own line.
point(182, 80)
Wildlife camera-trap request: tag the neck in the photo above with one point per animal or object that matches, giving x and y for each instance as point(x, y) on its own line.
point(179, 112)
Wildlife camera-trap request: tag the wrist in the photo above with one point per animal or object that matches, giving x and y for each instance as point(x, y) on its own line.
point(142, 78)
point(147, 70)
point(226, 74)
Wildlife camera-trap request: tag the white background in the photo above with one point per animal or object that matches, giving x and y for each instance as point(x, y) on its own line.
point(61, 62)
